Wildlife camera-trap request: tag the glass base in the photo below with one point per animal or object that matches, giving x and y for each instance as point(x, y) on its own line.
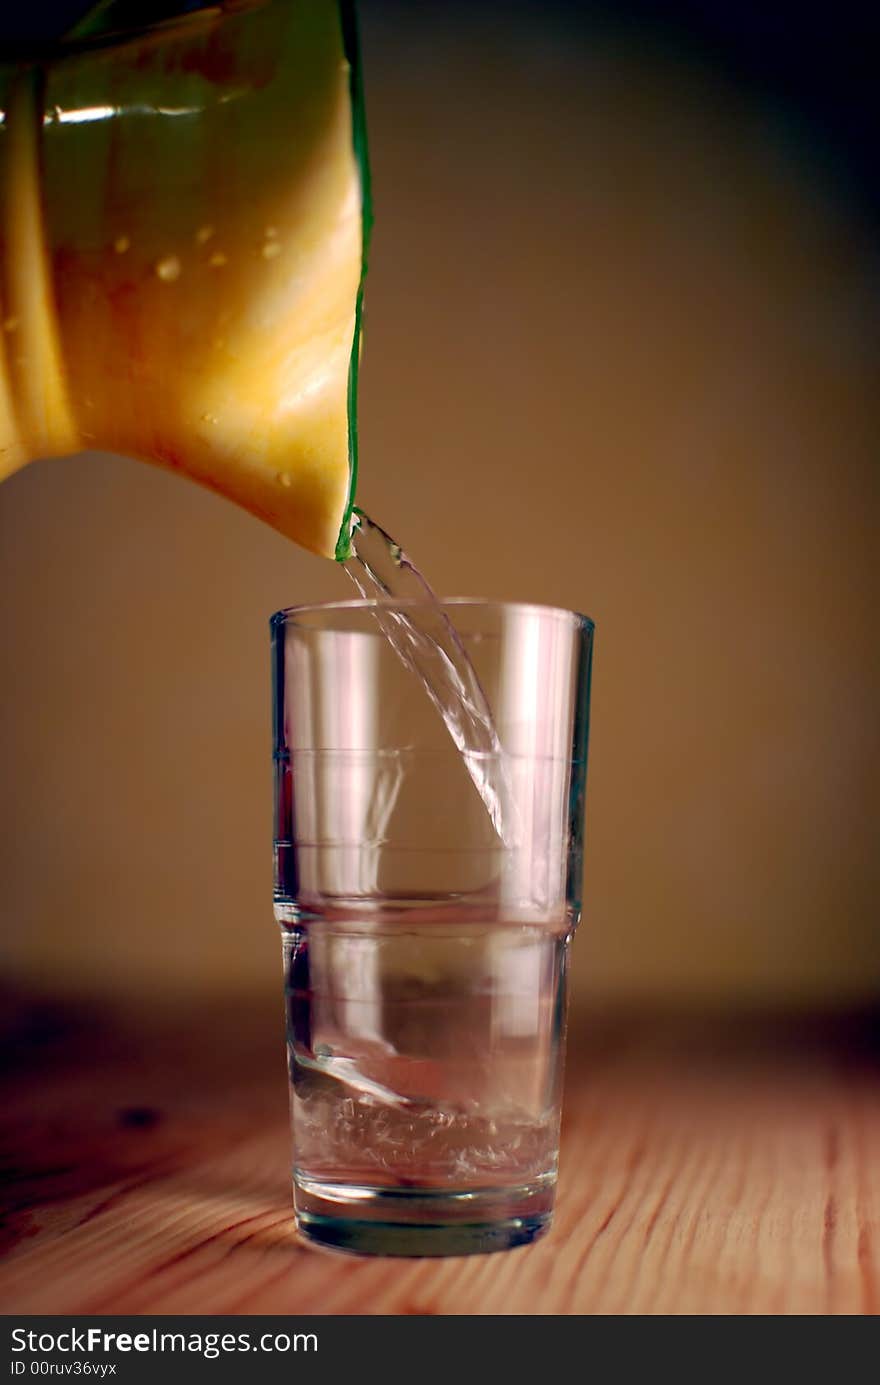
point(419, 1222)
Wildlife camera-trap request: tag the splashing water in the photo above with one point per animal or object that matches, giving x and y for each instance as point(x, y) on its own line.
point(427, 643)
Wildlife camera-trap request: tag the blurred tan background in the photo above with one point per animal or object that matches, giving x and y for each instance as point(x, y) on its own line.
point(621, 355)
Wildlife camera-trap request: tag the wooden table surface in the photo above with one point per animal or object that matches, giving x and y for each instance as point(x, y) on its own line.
point(706, 1168)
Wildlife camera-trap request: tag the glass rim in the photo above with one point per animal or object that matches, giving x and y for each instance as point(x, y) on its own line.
point(290, 614)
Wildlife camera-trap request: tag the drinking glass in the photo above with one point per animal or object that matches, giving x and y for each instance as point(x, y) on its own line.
point(425, 945)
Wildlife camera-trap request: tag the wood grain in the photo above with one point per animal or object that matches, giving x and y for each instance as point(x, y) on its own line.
point(704, 1170)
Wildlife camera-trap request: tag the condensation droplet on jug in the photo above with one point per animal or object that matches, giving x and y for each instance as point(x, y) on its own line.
point(168, 269)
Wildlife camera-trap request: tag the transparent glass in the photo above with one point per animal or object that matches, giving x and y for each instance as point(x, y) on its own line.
point(425, 954)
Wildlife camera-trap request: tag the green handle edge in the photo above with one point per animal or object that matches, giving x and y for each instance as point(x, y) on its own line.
point(351, 44)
